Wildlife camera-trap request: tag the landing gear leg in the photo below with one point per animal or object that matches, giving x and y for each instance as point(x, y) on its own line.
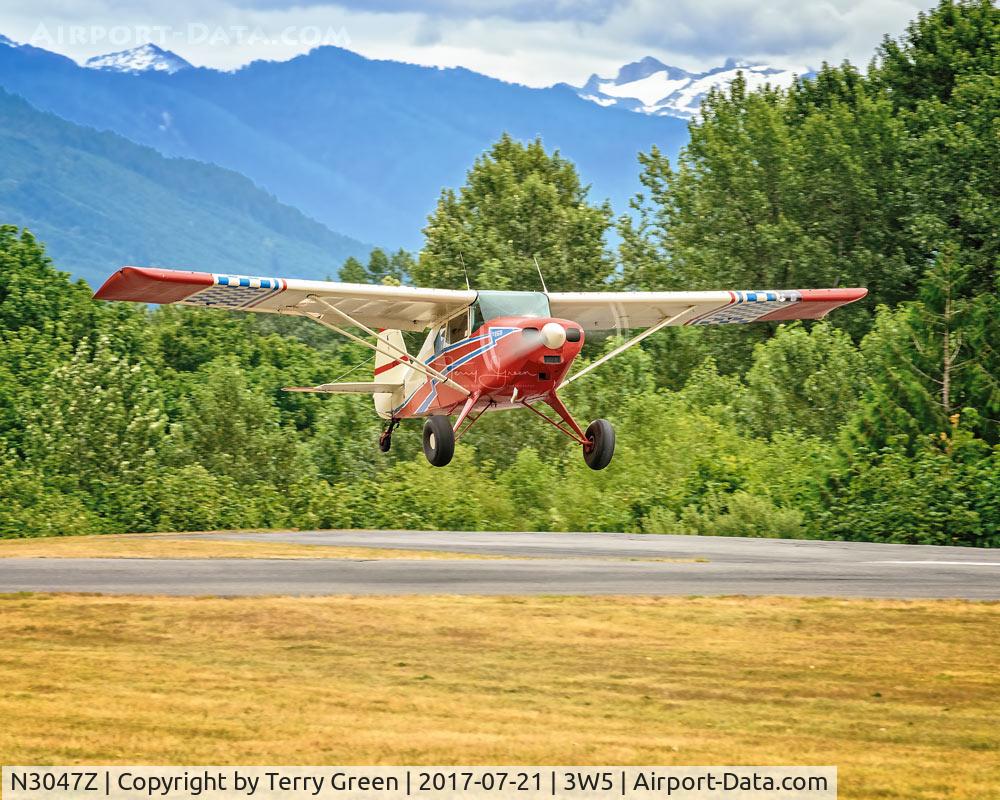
point(598, 441)
point(385, 439)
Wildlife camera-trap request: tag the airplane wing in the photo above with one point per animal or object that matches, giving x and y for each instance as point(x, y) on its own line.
point(623, 310)
point(398, 307)
point(414, 309)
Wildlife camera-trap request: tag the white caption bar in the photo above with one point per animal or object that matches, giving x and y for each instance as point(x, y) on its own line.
point(422, 783)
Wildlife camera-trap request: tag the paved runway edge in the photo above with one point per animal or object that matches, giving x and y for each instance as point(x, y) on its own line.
point(540, 564)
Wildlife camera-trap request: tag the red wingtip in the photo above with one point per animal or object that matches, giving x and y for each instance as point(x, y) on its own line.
point(840, 296)
point(816, 304)
point(151, 285)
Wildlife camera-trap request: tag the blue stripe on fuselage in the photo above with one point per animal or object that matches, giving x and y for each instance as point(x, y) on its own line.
point(494, 335)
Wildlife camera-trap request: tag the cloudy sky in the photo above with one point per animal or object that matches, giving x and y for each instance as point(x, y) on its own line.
point(528, 41)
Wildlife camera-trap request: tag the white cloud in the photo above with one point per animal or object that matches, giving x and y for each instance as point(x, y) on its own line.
point(525, 10)
point(518, 40)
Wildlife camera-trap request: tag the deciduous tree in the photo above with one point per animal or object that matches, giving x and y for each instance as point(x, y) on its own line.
point(519, 203)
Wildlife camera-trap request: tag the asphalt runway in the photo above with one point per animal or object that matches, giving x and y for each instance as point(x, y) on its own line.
point(539, 564)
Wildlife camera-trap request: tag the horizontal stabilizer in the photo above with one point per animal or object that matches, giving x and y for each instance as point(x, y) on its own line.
point(347, 388)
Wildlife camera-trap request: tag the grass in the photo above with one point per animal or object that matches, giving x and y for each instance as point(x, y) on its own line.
point(205, 545)
point(903, 696)
point(152, 545)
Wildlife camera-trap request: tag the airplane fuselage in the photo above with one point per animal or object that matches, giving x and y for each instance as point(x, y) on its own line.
point(504, 363)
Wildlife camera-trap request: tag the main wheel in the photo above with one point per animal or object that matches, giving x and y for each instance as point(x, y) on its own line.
point(601, 444)
point(385, 441)
point(439, 440)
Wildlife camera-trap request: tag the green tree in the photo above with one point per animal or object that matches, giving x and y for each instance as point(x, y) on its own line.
point(185, 339)
point(709, 392)
point(953, 188)
point(43, 316)
point(343, 442)
point(353, 271)
point(190, 498)
point(939, 49)
point(776, 190)
point(518, 203)
point(33, 294)
point(393, 269)
point(529, 482)
point(234, 430)
point(415, 495)
point(96, 430)
point(608, 388)
point(803, 380)
point(930, 360)
point(31, 507)
point(945, 490)
point(28, 358)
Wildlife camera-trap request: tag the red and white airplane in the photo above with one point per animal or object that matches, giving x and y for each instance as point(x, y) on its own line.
point(484, 351)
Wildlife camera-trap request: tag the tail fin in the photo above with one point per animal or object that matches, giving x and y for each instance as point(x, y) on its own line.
point(390, 367)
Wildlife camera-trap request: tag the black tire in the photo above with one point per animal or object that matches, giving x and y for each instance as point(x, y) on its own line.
point(385, 442)
point(601, 436)
point(439, 441)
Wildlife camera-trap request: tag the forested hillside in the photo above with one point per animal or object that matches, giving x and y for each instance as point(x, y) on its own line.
point(882, 423)
point(360, 145)
point(101, 201)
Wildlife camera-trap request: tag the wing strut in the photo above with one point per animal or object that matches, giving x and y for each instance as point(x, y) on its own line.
point(424, 369)
point(623, 347)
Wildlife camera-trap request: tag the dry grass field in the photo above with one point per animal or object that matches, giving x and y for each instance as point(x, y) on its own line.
point(194, 545)
point(903, 696)
point(207, 545)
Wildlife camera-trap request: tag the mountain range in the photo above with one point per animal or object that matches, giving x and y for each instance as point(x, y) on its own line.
point(363, 146)
point(651, 87)
point(99, 201)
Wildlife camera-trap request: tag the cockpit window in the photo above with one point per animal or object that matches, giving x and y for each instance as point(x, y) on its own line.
point(491, 305)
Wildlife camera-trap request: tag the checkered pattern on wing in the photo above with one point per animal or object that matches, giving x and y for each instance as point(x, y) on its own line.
point(748, 307)
point(236, 291)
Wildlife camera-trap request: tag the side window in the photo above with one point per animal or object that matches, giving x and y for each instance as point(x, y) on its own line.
point(458, 328)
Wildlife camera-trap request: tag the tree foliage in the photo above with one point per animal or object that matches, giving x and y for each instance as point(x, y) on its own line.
point(392, 269)
point(806, 381)
point(519, 203)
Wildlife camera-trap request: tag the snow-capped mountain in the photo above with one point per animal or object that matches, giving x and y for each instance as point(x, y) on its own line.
point(7, 42)
point(145, 58)
point(410, 127)
point(651, 87)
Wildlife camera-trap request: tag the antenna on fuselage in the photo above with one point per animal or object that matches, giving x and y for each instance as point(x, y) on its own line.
point(467, 284)
point(540, 276)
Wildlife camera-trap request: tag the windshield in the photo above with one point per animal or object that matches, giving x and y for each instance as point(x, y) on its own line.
point(491, 305)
